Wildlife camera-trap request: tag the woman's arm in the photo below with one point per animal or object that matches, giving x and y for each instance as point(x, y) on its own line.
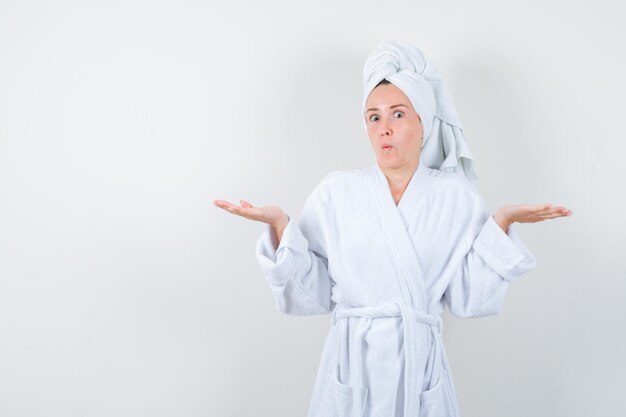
point(496, 257)
point(293, 258)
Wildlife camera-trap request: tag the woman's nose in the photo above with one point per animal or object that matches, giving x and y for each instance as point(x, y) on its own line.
point(385, 130)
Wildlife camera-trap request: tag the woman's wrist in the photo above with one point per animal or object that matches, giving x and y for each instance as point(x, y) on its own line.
point(280, 226)
point(502, 221)
point(282, 223)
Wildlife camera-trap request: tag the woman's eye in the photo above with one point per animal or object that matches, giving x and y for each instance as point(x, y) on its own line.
point(372, 118)
point(399, 112)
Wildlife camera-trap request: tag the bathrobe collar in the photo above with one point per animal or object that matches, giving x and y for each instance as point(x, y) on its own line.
point(395, 221)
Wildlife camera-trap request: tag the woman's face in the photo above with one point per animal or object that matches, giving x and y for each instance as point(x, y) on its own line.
point(391, 120)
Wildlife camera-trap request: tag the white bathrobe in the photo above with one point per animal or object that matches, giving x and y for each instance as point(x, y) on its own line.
point(385, 273)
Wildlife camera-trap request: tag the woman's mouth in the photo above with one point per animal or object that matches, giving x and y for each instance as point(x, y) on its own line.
point(386, 146)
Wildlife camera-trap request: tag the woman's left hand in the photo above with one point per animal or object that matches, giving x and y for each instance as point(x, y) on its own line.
point(528, 213)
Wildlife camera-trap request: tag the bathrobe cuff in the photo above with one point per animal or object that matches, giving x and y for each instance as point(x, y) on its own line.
point(504, 252)
point(280, 260)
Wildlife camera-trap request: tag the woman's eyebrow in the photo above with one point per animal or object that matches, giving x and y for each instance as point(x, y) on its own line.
point(391, 107)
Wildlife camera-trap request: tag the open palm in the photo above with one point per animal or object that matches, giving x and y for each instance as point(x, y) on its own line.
point(271, 215)
point(531, 213)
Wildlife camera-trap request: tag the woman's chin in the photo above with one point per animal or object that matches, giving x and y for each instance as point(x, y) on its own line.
point(388, 158)
point(392, 161)
point(388, 162)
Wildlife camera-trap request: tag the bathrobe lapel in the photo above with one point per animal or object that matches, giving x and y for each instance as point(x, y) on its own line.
point(395, 222)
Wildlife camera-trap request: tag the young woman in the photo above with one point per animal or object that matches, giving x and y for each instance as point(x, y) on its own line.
point(385, 248)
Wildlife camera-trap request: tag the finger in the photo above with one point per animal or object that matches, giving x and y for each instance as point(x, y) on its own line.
point(533, 217)
point(555, 210)
point(239, 211)
point(551, 210)
point(559, 210)
point(542, 208)
point(246, 204)
point(225, 204)
point(236, 209)
point(533, 213)
point(553, 215)
point(252, 213)
point(233, 208)
point(527, 211)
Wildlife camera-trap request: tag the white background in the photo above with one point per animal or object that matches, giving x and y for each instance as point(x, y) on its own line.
point(125, 292)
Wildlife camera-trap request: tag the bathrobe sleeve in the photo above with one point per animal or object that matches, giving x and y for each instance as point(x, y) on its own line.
point(297, 267)
point(494, 260)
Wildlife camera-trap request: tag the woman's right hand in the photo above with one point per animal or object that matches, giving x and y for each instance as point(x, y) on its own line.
point(272, 215)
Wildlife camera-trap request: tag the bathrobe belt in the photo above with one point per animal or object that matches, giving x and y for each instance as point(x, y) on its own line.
point(410, 318)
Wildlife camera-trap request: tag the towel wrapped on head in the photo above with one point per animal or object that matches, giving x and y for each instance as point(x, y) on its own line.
point(405, 66)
